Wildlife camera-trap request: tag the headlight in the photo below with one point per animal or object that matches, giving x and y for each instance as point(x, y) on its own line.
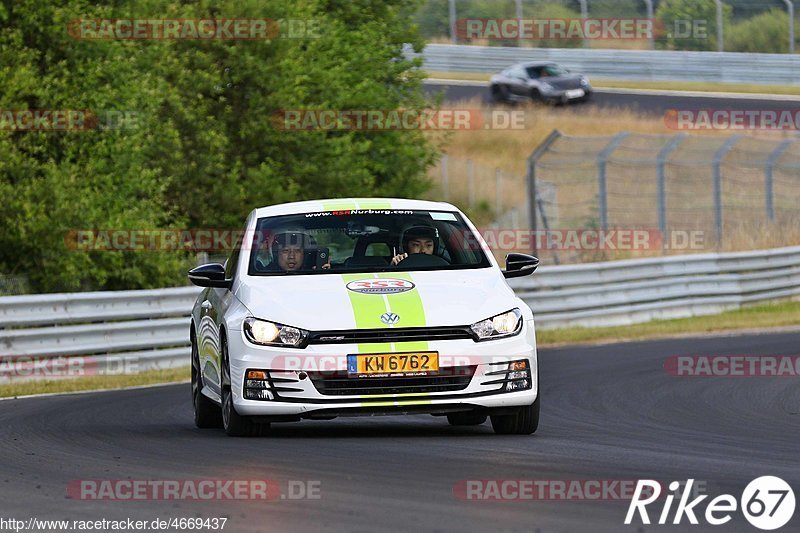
point(272, 334)
point(584, 82)
point(504, 325)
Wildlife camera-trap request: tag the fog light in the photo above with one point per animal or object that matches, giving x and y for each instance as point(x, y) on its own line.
point(256, 385)
point(252, 394)
point(519, 375)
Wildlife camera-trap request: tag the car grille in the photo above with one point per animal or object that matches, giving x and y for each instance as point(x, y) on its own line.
point(339, 384)
point(352, 336)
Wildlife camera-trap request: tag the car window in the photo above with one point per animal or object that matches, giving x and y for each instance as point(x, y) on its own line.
point(518, 72)
point(533, 72)
point(363, 241)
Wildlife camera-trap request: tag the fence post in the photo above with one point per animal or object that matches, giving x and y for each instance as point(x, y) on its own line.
point(718, 157)
point(532, 197)
point(790, 8)
point(584, 16)
point(768, 184)
point(451, 13)
point(602, 161)
point(519, 21)
point(650, 40)
point(661, 161)
point(498, 191)
point(720, 27)
point(471, 183)
point(445, 179)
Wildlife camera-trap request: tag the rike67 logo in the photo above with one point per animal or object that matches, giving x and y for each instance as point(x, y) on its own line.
point(767, 503)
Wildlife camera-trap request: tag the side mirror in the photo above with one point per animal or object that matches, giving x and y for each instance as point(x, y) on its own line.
point(518, 265)
point(210, 275)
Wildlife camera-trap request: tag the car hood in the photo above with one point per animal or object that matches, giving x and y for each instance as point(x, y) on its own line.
point(324, 301)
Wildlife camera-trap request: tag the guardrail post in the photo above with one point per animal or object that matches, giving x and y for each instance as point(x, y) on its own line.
point(651, 39)
point(718, 157)
point(768, 184)
point(532, 196)
point(661, 161)
point(602, 161)
point(790, 8)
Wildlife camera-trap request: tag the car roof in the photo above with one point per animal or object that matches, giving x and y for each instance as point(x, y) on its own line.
point(342, 204)
point(536, 64)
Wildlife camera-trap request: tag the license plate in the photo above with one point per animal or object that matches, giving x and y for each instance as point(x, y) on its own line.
point(576, 93)
point(393, 364)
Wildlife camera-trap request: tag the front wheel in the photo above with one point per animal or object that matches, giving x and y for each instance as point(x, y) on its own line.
point(523, 422)
point(235, 425)
point(206, 413)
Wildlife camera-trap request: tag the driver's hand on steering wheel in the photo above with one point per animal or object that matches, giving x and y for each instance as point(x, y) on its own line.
point(399, 257)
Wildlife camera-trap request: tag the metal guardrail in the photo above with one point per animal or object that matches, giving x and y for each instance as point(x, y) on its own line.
point(635, 65)
point(149, 329)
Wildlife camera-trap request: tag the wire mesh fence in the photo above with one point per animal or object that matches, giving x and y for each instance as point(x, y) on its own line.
point(595, 196)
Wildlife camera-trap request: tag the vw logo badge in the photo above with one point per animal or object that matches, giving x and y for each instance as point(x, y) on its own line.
point(390, 318)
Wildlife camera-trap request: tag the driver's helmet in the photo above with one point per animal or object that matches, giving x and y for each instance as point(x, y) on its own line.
point(291, 238)
point(414, 232)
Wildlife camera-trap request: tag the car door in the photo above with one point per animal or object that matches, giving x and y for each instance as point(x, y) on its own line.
point(518, 81)
point(213, 310)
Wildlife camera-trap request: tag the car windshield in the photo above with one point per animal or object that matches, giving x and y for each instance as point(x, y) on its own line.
point(547, 70)
point(367, 240)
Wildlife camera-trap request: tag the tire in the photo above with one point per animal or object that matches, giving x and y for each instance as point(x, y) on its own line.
point(523, 422)
point(207, 414)
point(466, 419)
point(500, 94)
point(235, 425)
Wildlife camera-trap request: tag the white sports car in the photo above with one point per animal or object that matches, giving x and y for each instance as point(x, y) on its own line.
point(351, 307)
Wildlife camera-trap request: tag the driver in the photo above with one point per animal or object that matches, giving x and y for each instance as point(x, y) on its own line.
point(288, 251)
point(418, 240)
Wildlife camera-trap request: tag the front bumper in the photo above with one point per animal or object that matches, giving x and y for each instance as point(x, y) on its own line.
point(297, 395)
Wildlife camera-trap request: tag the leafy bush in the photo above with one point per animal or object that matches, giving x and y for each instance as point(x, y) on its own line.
point(767, 33)
point(203, 150)
point(675, 14)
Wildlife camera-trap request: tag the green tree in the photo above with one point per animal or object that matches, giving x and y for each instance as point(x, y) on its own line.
point(680, 18)
point(767, 33)
point(204, 150)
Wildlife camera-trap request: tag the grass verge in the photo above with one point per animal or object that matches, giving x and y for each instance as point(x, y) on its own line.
point(150, 377)
point(755, 318)
point(752, 88)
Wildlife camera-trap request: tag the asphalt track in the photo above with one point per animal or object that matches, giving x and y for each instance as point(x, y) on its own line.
point(609, 412)
point(646, 102)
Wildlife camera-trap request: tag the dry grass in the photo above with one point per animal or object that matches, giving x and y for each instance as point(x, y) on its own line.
point(632, 188)
point(150, 377)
